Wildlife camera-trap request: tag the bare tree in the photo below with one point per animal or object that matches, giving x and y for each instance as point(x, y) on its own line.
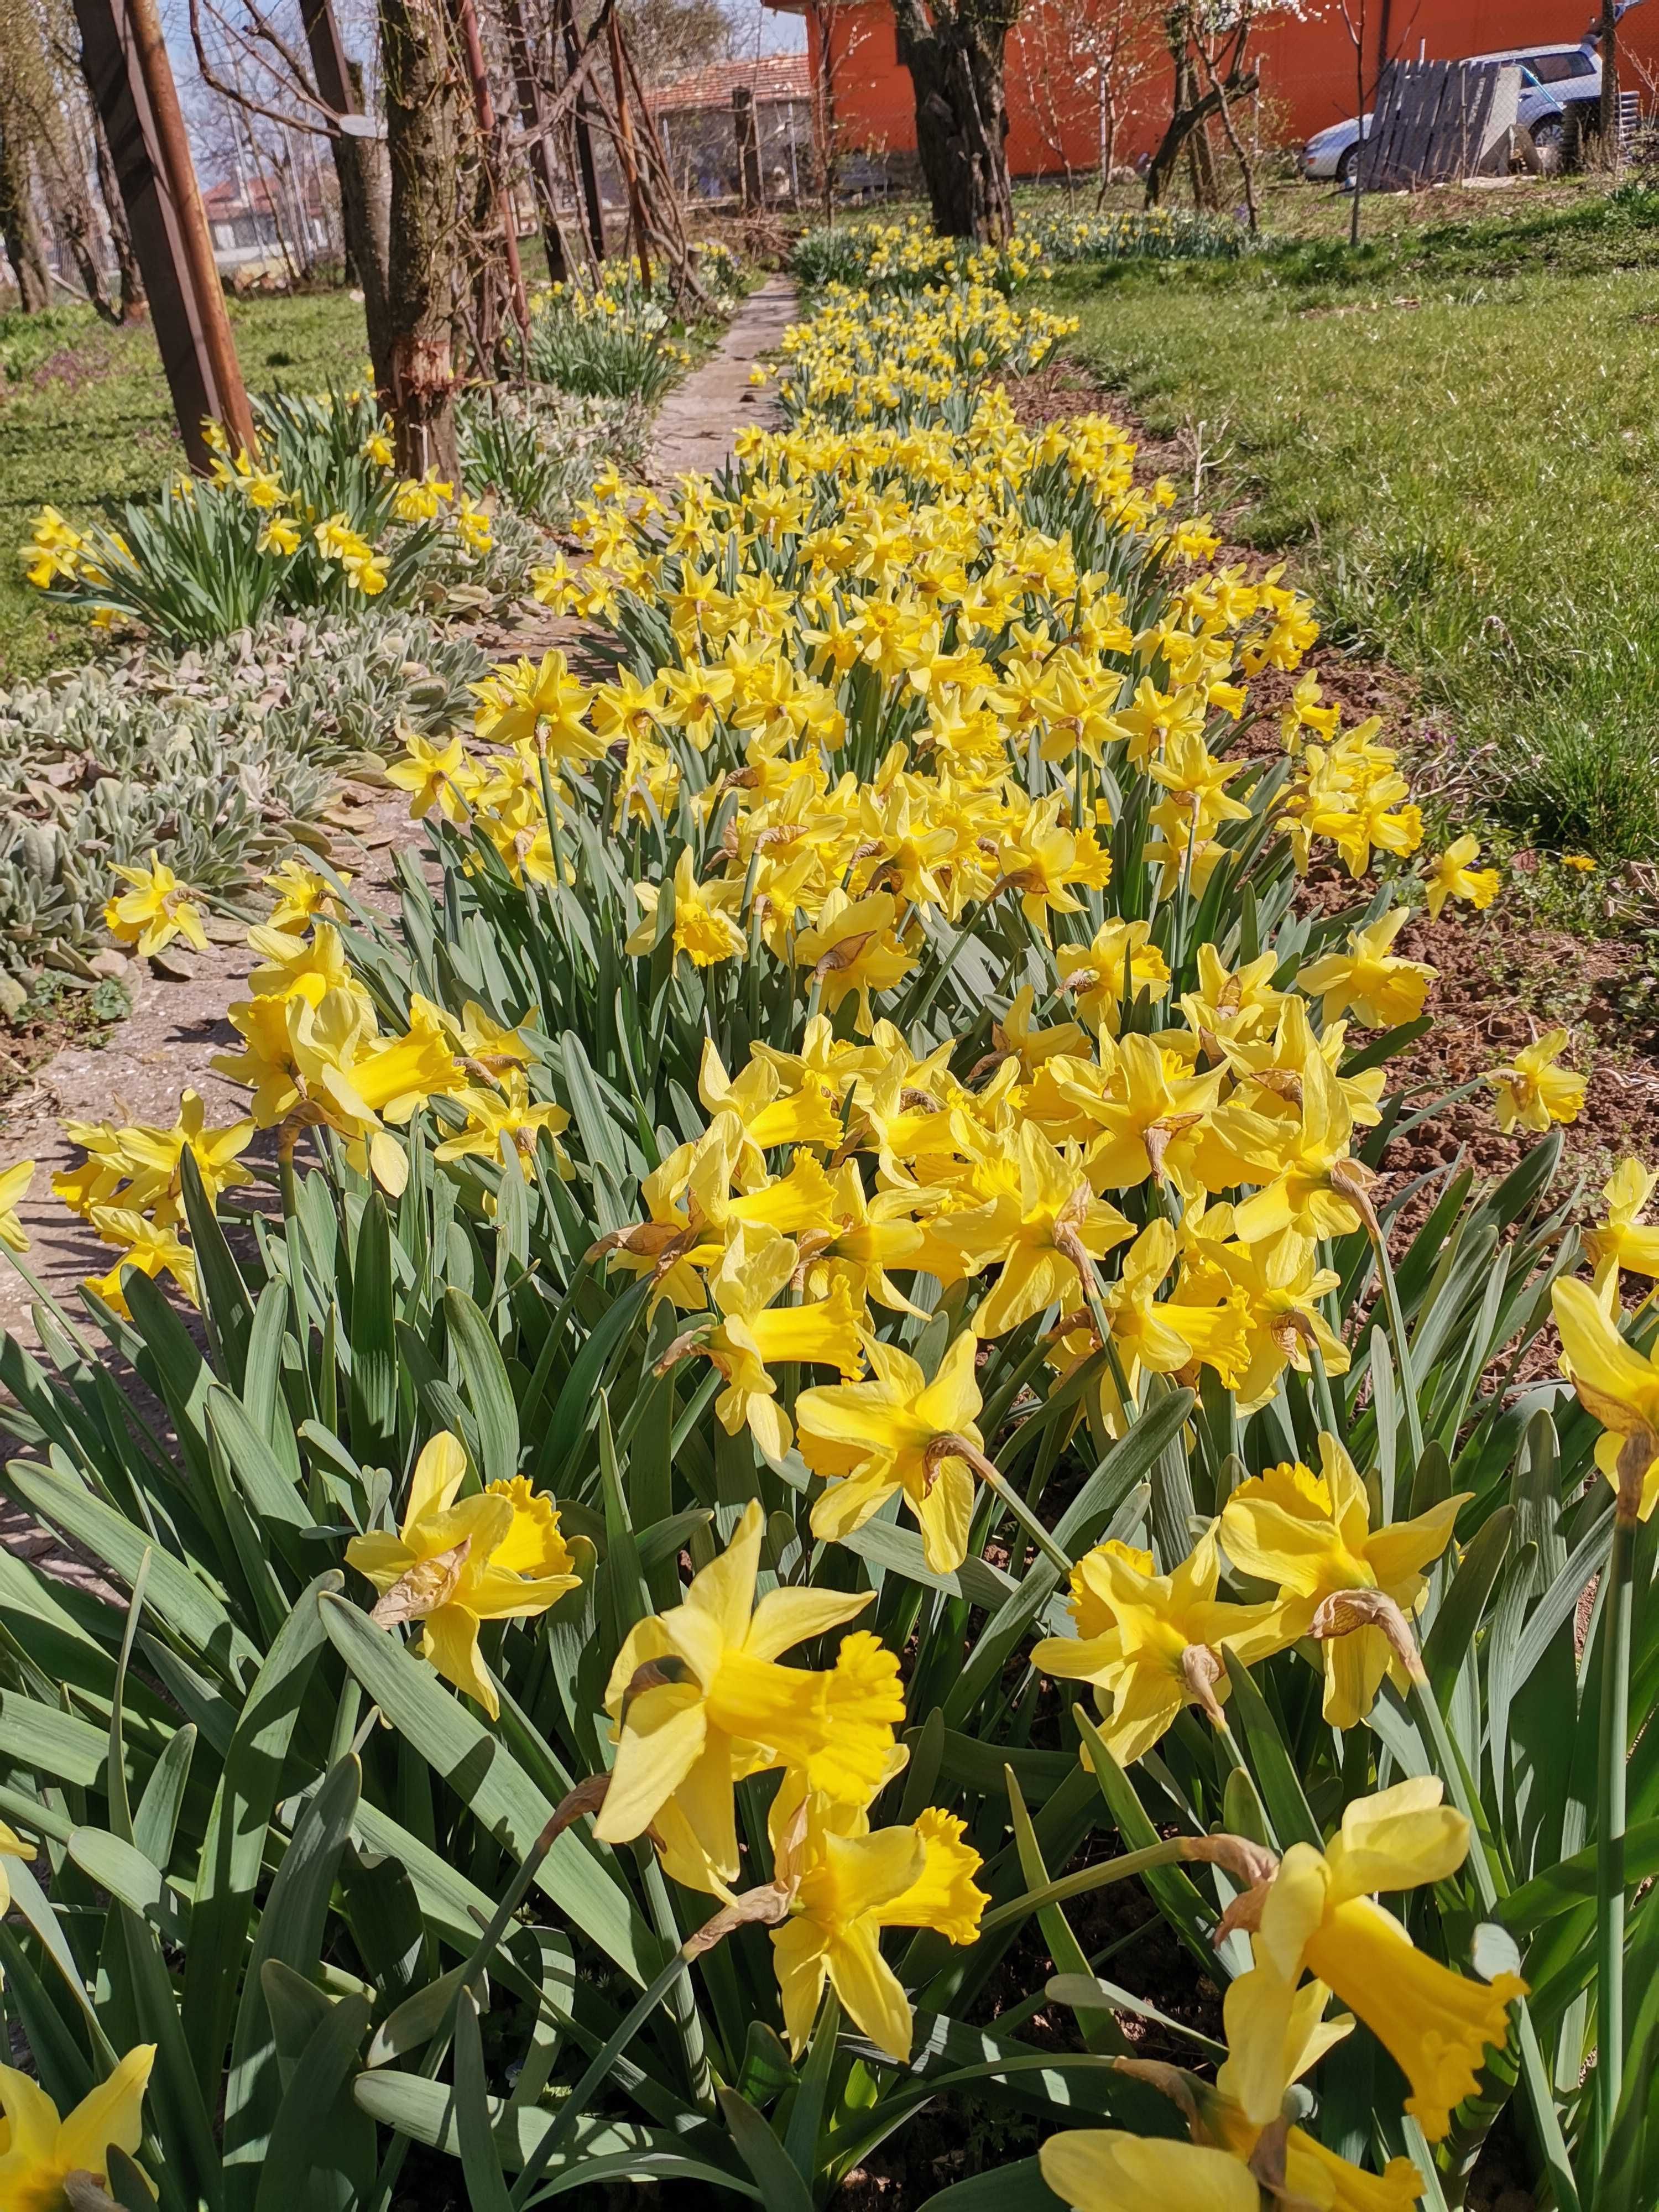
point(425, 142)
point(840, 29)
point(1193, 104)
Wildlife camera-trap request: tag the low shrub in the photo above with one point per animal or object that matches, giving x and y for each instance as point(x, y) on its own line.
point(540, 454)
point(320, 519)
point(209, 759)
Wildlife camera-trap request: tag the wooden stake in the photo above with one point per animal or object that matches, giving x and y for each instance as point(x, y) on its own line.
point(484, 107)
point(625, 148)
point(131, 83)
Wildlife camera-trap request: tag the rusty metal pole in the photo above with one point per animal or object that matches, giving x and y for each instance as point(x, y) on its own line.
point(484, 107)
point(131, 79)
point(625, 148)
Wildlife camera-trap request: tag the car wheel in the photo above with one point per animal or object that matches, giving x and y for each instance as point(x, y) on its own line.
point(1345, 168)
point(1549, 143)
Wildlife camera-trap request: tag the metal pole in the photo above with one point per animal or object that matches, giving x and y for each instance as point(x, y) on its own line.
point(485, 108)
point(131, 79)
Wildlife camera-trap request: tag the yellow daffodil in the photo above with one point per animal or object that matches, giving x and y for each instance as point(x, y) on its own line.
point(1310, 1535)
point(279, 535)
point(39, 2150)
point(155, 1250)
point(848, 1887)
point(14, 1189)
point(1616, 1384)
point(852, 950)
point(1318, 1914)
point(431, 773)
point(1117, 963)
point(1151, 1643)
point(753, 1334)
point(699, 1700)
point(1533, 1091)
point(880, 1439)
point(1452, 876)
point(705, 928)
point(508, 1118)
point(142, 1168)
point(1622, 1242)
point(1382, 989)
point(1236, 2152)
point(1044, 1232)
point(155, 910)
point(458, 1562)
point(303, 897)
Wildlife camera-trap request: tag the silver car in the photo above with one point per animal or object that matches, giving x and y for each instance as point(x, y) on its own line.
point(1552, 79)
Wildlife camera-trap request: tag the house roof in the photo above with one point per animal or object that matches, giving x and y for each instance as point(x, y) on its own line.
point(772, 78)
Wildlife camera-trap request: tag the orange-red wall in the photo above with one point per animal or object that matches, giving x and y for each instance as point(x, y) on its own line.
point(1307, 69)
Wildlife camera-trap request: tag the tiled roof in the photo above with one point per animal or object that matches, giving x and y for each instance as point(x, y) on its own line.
point(772, 77)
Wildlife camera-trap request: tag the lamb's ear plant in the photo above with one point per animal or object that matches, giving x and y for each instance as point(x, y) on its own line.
point(537, 1700)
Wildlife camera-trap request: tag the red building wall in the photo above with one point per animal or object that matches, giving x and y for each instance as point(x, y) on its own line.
point(1307, 69)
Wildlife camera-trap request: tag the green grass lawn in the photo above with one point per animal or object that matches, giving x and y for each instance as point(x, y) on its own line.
point(85, 423)
point(1457, 430)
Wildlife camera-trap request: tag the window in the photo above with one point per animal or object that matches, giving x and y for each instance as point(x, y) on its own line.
point(1555, 69)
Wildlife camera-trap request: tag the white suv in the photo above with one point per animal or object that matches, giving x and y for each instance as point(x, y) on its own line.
point(1553, 80)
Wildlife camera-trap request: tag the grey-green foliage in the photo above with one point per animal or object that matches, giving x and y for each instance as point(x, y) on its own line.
point(539, 450)
point(209, 759)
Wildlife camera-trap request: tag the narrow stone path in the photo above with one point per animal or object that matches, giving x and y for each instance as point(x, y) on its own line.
point(176, 1027)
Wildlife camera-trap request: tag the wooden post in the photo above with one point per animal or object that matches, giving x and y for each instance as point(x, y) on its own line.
point(484, 107)
point(131, 79)
point(625, 148)
point(1611, 148)
point(590, 176)
point(530, 114)
point(748, 137)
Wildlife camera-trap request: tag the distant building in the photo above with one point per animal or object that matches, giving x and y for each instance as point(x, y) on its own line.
point(248, 224)
point(1062, 110)
point(696, 122)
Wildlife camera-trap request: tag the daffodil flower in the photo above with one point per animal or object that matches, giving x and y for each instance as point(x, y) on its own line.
point(848, 1887)
point(1453, 876)
point(1045, 1234)
point(884, 1437)
point(1236, 2153)
point(1618, 1385)
point(753, 1334)
point(1312, 1536)
point(151, 1247)
point(1623, 1242)
point(39, 2150)
point(506, 1123)
point(705, 925)
point(1382, 989)
point(155, 910)
point(458, 1562)
point(1151, 1643)
point(431, 773)
point(699, 1700)
point(1318, 1914)
point(1533, 1091)
point(14, 1189)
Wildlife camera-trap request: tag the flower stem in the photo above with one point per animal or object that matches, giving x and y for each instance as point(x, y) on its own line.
point(1610, 1826)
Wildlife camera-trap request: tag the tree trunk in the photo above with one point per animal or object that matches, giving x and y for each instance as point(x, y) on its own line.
point(528, 91)
point(957, 68)
point(20, 228)
point(424, 145)
point(134, 301)
point(1610, 147)
point(360, 170)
